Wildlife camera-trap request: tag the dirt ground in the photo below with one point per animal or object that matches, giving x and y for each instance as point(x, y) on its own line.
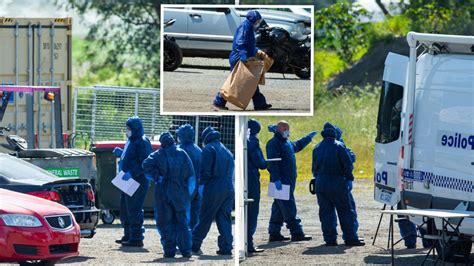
point(315, 252)
point(102, 250)
point(198, 80)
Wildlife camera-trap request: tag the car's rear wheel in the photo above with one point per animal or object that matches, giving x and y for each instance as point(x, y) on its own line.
point(173, 56)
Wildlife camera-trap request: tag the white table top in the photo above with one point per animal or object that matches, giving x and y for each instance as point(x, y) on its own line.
point(432, 213)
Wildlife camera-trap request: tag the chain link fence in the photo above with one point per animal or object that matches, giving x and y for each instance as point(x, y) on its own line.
point(100, 113)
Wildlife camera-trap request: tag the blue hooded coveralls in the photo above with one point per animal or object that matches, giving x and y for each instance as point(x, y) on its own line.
point(332, 168)
point(172, 170)
point(256, 161)
point(285, 171)
point(244, 46)
point(186, 139)
point(137, 148)
point(217, 171)
point(349, 182)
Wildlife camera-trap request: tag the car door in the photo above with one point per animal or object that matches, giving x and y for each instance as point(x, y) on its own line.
point(387, 176)
point(211, 28)
point(179, 30)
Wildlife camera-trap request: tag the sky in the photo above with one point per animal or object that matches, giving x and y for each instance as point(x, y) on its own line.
point(44, 8)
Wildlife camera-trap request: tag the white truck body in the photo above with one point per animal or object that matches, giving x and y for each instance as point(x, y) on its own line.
point(424, 151)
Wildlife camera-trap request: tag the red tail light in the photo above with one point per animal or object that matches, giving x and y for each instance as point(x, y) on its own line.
point(90, 195)
point(49, 195)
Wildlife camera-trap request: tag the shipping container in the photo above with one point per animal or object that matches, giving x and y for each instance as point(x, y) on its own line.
point(36, 51)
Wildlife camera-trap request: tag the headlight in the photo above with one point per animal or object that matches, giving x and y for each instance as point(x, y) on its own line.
point(20, 220)
point(300, 28)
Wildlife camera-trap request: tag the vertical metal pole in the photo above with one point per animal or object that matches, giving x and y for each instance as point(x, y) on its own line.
point(30, 102)
point(136, 103)
point(243, 128)
point(94, 109)
point(196, 131)
point(409, 116)
point(17, 29)
point(39, 33)
point(153, 116)
point(51, 71)
point(74, 118)
point(391, 233)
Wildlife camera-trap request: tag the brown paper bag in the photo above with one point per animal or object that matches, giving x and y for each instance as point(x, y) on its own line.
point(268, 61)
point(242, 83)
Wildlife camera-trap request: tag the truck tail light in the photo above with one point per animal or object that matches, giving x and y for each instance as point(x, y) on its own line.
point(49, 195)
point(90, 195)
point(402, 152)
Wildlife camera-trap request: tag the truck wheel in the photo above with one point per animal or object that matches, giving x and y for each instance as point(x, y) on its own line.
point(457, 252)
point(107, 217)
point(173, 56)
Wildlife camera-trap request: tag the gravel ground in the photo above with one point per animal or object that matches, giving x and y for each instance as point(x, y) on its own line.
point(315, 252)
point(198, 80)
point(103, 250)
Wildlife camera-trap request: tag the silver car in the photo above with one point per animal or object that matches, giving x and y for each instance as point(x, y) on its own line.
point(208, 32)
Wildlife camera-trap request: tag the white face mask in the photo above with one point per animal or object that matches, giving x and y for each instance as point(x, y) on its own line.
point(286, 134)
point(129, 133)
point(248, 133)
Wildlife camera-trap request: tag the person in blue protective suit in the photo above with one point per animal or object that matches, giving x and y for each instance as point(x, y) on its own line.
point(136, 149)
point(172, 171)
point(283, 172)
point(255, 162)
point(349, 182)
point(217, 192)
point(186, 142)
point(244, 46)
point(332, 168)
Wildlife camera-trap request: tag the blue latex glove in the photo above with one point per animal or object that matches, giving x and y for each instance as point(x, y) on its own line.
point(126, 176)
point(243, 58)
point(149, 177)
point(278, 185)
point(349, 185)
point(117, 151)
point(312, 134)
point(200, 190)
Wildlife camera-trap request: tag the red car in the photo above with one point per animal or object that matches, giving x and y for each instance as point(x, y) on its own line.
point(35, 229)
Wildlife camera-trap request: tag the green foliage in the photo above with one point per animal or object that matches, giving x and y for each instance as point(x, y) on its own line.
point(124, 39)
point(339, 28)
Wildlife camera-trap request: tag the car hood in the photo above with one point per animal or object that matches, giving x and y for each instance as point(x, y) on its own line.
point(277, 15)
point(19, 203)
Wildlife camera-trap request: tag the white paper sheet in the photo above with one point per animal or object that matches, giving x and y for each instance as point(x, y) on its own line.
point(127, 186)
point(273, 160)
point(283, 194)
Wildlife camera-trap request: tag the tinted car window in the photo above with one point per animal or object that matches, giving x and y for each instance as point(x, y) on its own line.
point(17, 169)
point(389, 117)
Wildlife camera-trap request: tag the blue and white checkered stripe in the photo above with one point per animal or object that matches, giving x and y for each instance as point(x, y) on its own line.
point(439, 180)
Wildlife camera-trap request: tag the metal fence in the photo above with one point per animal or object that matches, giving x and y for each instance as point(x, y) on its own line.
point(100, 113)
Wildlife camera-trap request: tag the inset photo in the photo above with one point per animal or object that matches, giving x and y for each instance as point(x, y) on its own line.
point(237, 60)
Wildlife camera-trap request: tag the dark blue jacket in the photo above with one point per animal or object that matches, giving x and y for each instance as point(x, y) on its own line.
point(217, 165)
point(330, 156)
point(255, 158)
point(279, 147)
point(138, 147)
point(186, 137)
point(175, 167)
point(244, 39)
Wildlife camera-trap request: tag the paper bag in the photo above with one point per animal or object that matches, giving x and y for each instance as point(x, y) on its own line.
point(242, 83)
point(268, 62)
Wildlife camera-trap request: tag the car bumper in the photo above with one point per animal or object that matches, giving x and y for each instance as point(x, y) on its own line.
point(87, 220)
point(41, 243)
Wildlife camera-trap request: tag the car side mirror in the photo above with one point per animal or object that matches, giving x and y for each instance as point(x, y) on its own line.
point(223, 10)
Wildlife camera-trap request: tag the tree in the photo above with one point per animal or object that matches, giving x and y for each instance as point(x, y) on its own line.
point(339, 28)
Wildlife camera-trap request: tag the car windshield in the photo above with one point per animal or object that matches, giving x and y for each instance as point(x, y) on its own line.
point(16, 169)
